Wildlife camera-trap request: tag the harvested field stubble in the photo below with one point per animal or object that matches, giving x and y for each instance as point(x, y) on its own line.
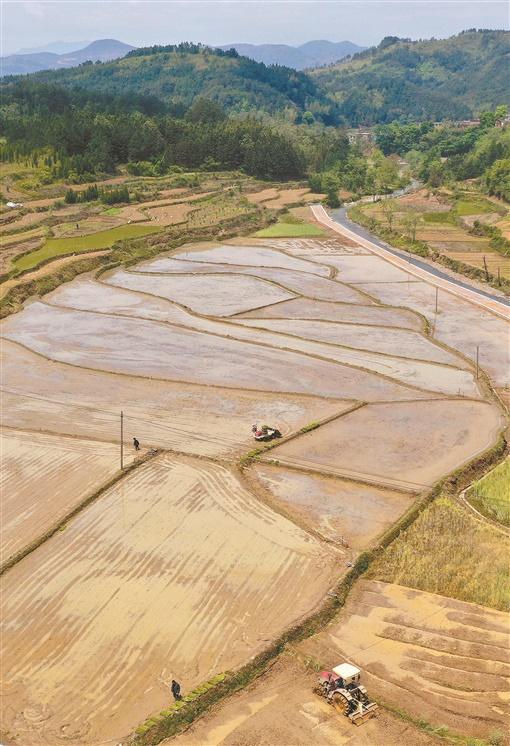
point(140, 564)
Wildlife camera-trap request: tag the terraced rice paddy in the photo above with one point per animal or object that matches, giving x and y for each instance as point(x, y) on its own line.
point(337, 508)
point(187, 567)
point(457, 323)
point(54, 247)
point(178, 540)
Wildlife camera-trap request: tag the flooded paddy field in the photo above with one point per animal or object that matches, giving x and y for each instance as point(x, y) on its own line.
point(410, 444)
point(399, 342)
point(303, 308)
point(43, 478)
point(215, 294)
point(253, 256)
point(190, 565)
point(457, 323)
point(178, 540)
point(442, 660)
point(157, 350)
point(351, 513)
point(88, 295)
point(42, 394)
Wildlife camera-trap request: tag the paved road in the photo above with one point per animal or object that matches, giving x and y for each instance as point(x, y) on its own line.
point(339, 223)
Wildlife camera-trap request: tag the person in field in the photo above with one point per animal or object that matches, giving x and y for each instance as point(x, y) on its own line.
point(176, 690)
point(136, 444)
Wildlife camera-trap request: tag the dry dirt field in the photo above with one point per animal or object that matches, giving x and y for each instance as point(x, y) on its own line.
point(281, 708)
point(170, 574)
point(188, 565)
point(447, 660)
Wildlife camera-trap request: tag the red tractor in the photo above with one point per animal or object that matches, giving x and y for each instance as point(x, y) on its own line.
point(342, 689)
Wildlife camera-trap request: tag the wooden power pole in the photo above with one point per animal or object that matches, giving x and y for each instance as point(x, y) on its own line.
point(122, 440)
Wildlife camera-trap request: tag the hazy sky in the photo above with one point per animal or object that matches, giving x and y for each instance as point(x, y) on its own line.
point(33, 23)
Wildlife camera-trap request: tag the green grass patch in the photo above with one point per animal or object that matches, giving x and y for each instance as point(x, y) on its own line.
point(54, 247)
point(474, 207)
point(491, 494)
point(290, 230)
point(441, 218)
point(111, 211)
point(449, 551)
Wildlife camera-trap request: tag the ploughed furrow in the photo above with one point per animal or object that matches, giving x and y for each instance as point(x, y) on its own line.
point(177, 571)
point(42, 478)
point(418, 644)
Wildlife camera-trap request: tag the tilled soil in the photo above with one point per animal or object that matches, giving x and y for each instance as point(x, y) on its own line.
point(45, 476)
point(281, 708)
point(443, 660)
point(175, 572)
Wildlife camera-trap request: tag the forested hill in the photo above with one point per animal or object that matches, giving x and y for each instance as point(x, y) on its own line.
point(451, 78)
point(179, 74)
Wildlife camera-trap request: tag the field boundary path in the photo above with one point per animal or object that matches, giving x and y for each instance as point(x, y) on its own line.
point(499, 307)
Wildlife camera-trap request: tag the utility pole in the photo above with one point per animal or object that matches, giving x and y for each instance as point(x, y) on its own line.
point(486, 270)
point(477, 359)
point(122, 440)
point(499, 275)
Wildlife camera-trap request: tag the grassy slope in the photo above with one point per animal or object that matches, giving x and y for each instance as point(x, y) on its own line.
point(491, 495)
point(449, 552)
point(101, 240)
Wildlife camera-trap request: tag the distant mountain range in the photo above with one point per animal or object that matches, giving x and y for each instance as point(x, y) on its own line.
point(57, 47)
point(102, 49)
point(311, 54)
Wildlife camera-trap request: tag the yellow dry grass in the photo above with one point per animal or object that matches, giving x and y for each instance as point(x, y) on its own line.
point(450, 552)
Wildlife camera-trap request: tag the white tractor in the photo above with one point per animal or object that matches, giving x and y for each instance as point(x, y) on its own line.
point(342, 689)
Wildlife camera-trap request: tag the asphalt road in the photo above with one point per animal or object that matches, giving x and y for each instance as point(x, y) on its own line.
point(337, 220)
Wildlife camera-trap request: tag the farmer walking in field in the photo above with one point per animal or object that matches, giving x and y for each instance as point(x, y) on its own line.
point(176, 690)
point(136, 444)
